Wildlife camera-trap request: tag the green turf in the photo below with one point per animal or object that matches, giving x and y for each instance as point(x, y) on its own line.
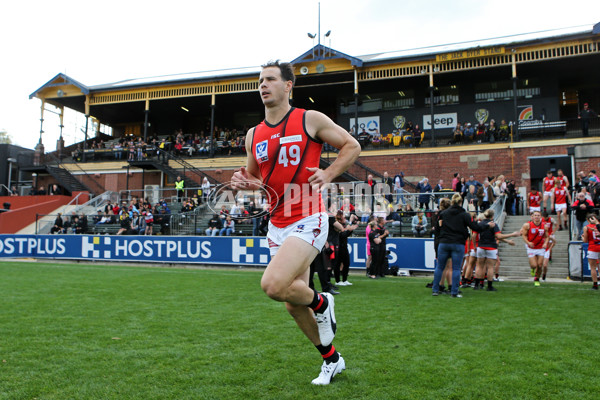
point(74, 331)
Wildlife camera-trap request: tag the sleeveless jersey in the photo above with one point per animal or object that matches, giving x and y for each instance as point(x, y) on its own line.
point(560, 195)
point(548, 184)
point(283, 153)
point(593, 239)
point(563, 183)
point(534, 199)
point(535, 234)
point(548, 225)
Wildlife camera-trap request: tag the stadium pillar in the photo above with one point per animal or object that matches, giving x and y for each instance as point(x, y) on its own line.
point(355, 103)
point(212, 126)
point(431, 90)
point(146, 112)
point(87, 118)
point(515, 127)
point(39, 148)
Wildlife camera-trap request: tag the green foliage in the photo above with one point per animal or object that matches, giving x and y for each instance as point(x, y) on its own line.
point(89, 331)
point(5, 137)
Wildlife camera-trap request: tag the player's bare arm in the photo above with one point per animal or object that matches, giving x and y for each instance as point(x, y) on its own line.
point(248, 178)
point(321, 127)
point(524, 230)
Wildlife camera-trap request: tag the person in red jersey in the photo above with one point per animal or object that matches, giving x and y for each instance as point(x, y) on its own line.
point(533, 201)
point(559, 202)
point(283, 157)
point(591, 236)
point(564, 181)
point(536, 237)
point(548, 188)
point(549, 225)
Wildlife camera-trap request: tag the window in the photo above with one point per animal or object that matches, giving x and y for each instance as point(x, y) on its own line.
point(443, 95)
point(502, 90)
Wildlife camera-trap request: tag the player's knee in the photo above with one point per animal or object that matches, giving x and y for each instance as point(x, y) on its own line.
point(273, 290)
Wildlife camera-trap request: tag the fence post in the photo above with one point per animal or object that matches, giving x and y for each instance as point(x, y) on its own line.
point(36, 223)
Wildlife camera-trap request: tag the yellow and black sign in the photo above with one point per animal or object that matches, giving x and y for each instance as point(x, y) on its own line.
point(472, 53)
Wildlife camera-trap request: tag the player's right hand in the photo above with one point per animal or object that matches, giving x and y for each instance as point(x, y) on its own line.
point(241, 179)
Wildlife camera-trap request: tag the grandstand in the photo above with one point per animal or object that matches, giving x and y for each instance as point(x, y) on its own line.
point(535, 83)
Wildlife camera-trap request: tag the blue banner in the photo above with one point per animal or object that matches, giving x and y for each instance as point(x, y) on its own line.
point(405, 253)
point(585, 266)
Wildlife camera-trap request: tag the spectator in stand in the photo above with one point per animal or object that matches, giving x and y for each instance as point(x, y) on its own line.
point(388, 186)
point(223, 213)
point(205, 188)
point(503, 131)
point(134, 225)
point(582, 207)
point(455, 182)
point(424, 187)
point(180, 188)
point(58, 225)
point(347, 208)
point(491, 132)
point(228, 227)
point(511, 192)
point(462, 187)
point(55, 190)
point(457, 134)
point(125, 222)
point(585, 115)
point(469, 133)
point(418, 136)
point(582, 181)
point(471, 181)
point(419, 224)
point(41, 191)
point(399, 187)
point(471, 199)
point(371, 195)
point(148, 221)
point(485, 195)
point(480, 134)
point(214, 226)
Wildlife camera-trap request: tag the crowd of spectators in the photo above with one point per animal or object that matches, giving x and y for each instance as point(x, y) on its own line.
point(133, 148)
point(481, 132)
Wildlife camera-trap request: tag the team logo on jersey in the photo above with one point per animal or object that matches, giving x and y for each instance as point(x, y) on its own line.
point(534, 230)
point(262, 151)
point(316, 232)
point(299, 229)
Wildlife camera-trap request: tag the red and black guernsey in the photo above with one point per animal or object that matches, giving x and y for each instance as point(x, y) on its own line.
point(593, 238)
point(284, 152)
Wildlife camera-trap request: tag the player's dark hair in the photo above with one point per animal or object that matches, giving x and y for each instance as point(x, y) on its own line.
point(287, 70)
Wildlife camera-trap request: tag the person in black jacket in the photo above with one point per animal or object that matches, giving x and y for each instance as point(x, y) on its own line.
point(378, 248)
point(342, 262)
point(453, 234)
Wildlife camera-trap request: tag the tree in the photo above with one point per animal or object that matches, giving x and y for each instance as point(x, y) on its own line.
point(5, 137)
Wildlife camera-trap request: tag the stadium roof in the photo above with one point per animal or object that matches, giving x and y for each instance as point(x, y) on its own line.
point(319, 51)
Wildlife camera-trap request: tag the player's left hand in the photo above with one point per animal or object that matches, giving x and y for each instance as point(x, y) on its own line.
point(318, 179)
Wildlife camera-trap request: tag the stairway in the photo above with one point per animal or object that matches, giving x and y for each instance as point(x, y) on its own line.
point(514, 261)
point(67, 180)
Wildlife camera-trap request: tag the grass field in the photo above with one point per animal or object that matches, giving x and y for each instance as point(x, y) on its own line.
point(75, 331)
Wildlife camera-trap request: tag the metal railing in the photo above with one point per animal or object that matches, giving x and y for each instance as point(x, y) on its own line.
point(44, 226)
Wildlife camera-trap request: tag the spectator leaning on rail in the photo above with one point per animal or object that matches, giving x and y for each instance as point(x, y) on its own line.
point(424, 188)
point(585, 115)
point(486, 197)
